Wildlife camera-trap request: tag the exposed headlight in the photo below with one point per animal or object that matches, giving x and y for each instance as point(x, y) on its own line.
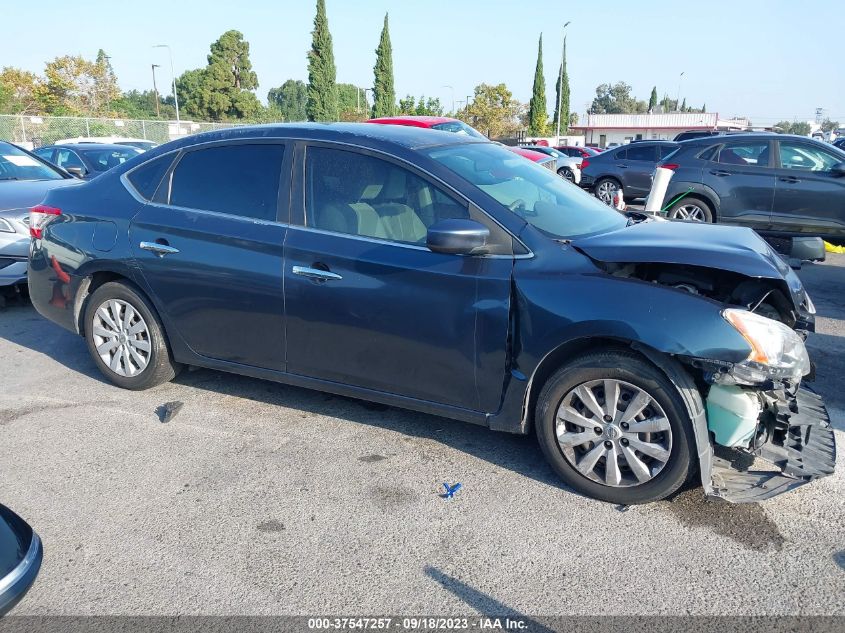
point(6, 227)
point(777, 352)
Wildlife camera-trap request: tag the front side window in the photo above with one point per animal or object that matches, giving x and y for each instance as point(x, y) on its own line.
point(353, 193)
point(806, 157)
point(538, 195)
point(66, 158)
point(104, 159)
point(238, 179)
point(749, 153)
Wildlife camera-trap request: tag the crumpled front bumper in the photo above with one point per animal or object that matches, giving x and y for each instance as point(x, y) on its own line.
point(795, 438)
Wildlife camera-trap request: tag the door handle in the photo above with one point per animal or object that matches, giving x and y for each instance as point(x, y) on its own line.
point(719, 172)
point(789, 179)
point(316, 273)
point(159, 249)
point(622, 166)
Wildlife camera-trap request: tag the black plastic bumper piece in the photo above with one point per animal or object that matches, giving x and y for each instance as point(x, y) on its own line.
point(800, 444)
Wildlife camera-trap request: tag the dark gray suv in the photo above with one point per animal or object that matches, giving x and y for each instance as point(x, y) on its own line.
point(774, 183)
point(629, 167)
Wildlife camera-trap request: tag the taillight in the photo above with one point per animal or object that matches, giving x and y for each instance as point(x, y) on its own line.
point(672, 166)
point(585, 163)
point(38, 218)
point(581, 165)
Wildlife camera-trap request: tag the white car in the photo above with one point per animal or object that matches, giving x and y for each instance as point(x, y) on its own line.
point(138, 143)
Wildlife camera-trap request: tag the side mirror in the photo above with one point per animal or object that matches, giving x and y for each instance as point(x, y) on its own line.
point(838, 170)
point(79, 172)
point(458, 237)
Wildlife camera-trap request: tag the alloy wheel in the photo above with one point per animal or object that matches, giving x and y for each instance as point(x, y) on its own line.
point(121, 337)
point(613, 433)
point(691, 212)
point(606, 191)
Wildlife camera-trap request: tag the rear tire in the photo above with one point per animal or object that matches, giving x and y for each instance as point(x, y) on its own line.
point(691, 210)
point(126, 339)
point(565, 172)
point(649, 465)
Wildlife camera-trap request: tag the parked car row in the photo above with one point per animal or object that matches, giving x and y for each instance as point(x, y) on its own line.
point(440, 272)
point(87, 160)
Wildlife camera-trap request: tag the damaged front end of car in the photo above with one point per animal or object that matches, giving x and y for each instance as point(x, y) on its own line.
point(758, 408)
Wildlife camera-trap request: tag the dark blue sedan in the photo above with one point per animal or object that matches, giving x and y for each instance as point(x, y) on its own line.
point(445, 274)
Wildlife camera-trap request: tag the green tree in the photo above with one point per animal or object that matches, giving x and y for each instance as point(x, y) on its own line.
point(493, 111)
point(21, 92)
point(652, 100)
point(141, 105)
point(290, 98)
point(384, 93)
point(351, 102)
point(562, 99)
point(829, 126)
point(424, 107)
point(684, 105)
point(801, 128)
point(704, 108)
point(106, 89)
point(71, 86)
point(537, 113)
point(617, 99)
point(322, 73)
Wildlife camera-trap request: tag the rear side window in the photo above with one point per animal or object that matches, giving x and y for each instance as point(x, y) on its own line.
point(749, 153)
point(709, 153)
point(667, 150)
point(642, 152)
point(146, 178)
point(235, 179)
point(620, 155)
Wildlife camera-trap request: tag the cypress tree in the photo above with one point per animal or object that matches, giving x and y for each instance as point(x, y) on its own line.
point(563, 99)
point(384, 94)
point(322, 74)
point(537, 113)
point(684, 105)
point(704, 108)
point(652, 101)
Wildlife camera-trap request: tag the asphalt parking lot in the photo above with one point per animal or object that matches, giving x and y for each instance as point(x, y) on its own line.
point(258, 498)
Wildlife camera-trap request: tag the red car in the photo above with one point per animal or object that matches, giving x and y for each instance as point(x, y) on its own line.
point(576, 151)
point(447, 124)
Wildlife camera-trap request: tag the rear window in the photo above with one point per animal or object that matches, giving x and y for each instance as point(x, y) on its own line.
point(146, 178)
point(105, 159)
point(642, 152)
point(235, 179)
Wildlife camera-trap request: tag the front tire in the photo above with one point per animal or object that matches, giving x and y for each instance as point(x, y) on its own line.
point(614, 427)
point(125, 338)
point(606, 189)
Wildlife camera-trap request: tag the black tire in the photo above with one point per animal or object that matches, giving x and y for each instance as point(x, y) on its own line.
point(633, 369)
point(160, 367)
point(689, 203)
point(599, 186)
point(565, 172)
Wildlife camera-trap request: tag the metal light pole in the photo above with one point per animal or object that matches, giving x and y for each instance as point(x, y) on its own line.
point(155, 90)
point(366, 102)
point(560, 81)
point(453, 97)
point(173, 75)
point(678, 97)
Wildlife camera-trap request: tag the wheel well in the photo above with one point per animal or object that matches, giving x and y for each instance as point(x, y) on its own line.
point(706, 200)
point(555, 359)
point(86, 287)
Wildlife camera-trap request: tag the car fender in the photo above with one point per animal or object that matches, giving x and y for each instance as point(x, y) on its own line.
point(689, 187)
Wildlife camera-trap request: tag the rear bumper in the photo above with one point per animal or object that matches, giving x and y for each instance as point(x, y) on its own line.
point(14, 586)
point(12, 273)
point(794, 437)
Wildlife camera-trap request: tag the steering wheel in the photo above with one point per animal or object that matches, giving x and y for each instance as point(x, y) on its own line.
point(517, 205)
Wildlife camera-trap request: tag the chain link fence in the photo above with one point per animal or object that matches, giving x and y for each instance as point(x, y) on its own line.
point(37, 131)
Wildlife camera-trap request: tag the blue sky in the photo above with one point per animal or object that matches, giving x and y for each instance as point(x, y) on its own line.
point(767, 59)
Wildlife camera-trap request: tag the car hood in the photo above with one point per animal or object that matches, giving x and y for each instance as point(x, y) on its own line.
point(729, 248)
point(22, 194)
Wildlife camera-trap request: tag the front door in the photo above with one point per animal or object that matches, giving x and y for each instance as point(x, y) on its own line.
point(369, 305)
point(210, 250)
point(809, 197)
point(741, 175)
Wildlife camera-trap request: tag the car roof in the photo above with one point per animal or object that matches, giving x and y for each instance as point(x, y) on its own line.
point(739, 136)
point(100, 146)
point(410, 137)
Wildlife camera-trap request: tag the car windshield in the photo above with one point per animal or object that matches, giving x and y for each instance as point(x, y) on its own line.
point(103, 159)
point(15, 164)
point(459, 127)
point(557, 208)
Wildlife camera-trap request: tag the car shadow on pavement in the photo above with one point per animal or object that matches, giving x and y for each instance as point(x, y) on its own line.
point(517, 453)
point(22, 325)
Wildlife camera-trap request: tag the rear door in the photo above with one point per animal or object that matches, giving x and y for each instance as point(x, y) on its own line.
point(637, 168)
point(209, 247)
point(741, 175)
point(808, 197)
point(369, 305)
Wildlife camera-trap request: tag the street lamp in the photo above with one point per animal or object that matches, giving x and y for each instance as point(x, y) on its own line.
point(678, 98)
point(173, 75)
point(367, 103)
point(453, 97)
point(155, 90)
point(560, 80)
